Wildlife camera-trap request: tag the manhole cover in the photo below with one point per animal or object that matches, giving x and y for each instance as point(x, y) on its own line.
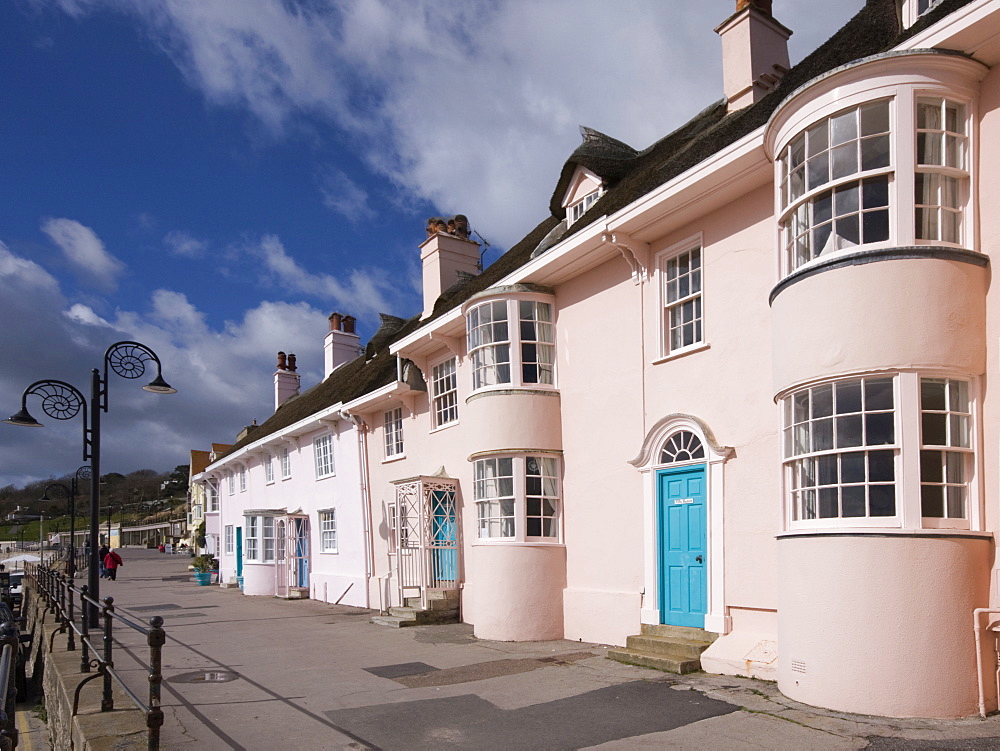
point(204, 676)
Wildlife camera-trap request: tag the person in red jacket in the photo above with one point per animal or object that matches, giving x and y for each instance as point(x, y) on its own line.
point(111, 563)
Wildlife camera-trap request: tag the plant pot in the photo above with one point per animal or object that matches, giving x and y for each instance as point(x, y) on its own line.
point(203, 578)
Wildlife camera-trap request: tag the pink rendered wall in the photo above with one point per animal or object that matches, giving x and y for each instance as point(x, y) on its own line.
point(915, 651)
point(519, 419)
point(892, 314)
point(600, 381)
point(258, 579)
point(988, 189)
point(728, 385)
point(518, 592)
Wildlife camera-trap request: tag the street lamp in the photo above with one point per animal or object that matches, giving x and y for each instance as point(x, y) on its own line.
point(110, 510)
point(62, 401)
point(83, 473)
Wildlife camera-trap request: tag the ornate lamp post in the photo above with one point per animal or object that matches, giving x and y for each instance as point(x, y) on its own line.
point(83, 473)
point(62, 401)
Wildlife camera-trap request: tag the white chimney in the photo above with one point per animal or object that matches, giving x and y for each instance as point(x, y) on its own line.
point(754, 53)
point(286, 380)
point(341, 344)
point(448, 255)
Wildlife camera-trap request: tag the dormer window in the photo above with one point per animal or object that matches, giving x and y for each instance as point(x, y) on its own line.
point(579, 208)
point(914, 9)
point(584, 189)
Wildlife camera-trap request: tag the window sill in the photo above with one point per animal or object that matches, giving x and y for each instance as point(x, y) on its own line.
point(883, 532)
point(326, 477)
point(329, 552)
point(505, 541)
point(439, 428)
point(682, 352)
point(396, 458)
point(509, 390)
point(286, 478)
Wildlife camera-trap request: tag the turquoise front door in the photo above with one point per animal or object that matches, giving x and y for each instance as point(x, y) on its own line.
point(682, 544)
point(445, 554)
point(239, 551)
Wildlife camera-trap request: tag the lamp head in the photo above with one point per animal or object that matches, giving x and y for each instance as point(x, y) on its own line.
point(45, 496)
point(23, 418)
point(159, 386)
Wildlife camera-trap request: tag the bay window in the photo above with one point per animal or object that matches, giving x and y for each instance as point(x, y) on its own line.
point(817, 219)
point(847, 452)
point(511, 342)
point(267, 536)
point(517, 497)
point(251, 545)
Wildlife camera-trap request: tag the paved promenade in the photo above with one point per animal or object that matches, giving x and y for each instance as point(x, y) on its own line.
point(263, 673)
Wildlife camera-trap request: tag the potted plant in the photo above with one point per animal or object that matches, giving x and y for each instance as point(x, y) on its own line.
point(204, 566)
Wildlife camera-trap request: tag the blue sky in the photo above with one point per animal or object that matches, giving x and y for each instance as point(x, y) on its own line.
point(214, 177)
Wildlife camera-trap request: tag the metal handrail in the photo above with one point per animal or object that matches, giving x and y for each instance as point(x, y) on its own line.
point(8, 688)
point(58, 594)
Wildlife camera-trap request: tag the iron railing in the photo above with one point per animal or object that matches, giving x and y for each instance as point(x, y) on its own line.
point(8, 689)
point(61, 597)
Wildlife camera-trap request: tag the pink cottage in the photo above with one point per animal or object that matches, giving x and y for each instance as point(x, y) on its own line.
point(731, 394)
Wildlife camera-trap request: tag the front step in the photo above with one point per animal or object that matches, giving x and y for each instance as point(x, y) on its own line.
point(673, 649)
point(442, 607)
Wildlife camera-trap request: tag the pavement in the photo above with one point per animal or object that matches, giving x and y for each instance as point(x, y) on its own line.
point(261, 673)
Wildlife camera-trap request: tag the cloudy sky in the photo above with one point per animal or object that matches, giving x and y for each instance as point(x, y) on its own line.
point(214, 177)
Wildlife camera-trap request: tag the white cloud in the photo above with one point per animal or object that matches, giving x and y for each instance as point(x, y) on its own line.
point(85, 314)
point(364, 292)
point(344, 196)
point(223, 374)
point(186, 245)
point(84, 250)
point(470, 104)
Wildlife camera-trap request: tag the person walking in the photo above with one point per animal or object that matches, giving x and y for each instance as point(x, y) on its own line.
point(111, 563)
point(102, 553)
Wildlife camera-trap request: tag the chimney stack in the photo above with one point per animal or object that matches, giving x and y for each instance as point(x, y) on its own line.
point(754, 53)
point(447, 254)
point(286, 380)
point(341, 344)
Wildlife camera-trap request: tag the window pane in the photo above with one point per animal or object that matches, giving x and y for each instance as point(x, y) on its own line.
point(932, 394)
point(848, 232)
point(875, 118)
point(932, 501)
point(822, 435)
point(876, 226)
point(852, 467)
point(879, 429)
point(848, 397)
point(931, 469)
point(875, 152)
point(847, 200)
point(854, 501)
point(875, 192)
point(822, 401)
point(818, 170)
point(934, 429)
point(882, 500)
point(849, 431)
point(817, 139)
point(878, 393)
point(823, 207)
point(881, 467)
point(844, 160)
point(827, 469)
point(956, 502)
point(843, 128)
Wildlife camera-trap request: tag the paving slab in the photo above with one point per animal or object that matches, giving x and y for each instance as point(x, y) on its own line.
point(260, 672)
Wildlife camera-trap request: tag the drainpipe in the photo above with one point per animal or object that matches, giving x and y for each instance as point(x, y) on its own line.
point(976, 615)
point(366, 501)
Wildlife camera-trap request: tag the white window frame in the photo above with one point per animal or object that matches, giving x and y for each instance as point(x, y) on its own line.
point(268, 462)
point(328, 531)
point(504, 501)
point(286, 463)
point(576, 210)
point(907, 447)
point(323, 455)
point(912, 11)
point(956, 453)
point(241, 471)
point(267, 538)
point(211, 498)
point(952, 169)
point(231, 482)
point(673, 301)
point(251, 539)
point(392, 430)
point(229, 539)
point(444, 392)
point(498, 353)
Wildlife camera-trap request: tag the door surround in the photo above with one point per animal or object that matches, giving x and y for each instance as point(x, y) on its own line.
point(648, 462)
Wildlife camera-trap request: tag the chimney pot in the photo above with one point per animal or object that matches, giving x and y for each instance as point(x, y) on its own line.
point(764, 6)
point(281, 361)
point(335, 319)
point(349, 324)
point(291, 363)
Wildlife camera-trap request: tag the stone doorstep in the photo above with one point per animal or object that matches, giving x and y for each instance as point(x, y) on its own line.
point(666, 663)
point(674, 649)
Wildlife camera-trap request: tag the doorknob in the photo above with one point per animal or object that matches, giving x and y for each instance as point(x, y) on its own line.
point(698, 558)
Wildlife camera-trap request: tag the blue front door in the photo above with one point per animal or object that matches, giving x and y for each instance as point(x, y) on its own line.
point(445, 556)
point(239, 551)
point(682, 543)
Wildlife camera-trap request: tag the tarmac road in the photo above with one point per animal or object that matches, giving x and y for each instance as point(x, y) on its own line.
point(264, 673)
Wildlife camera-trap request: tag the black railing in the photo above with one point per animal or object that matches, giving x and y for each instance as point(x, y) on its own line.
point(8, 689)
point(71, 606)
